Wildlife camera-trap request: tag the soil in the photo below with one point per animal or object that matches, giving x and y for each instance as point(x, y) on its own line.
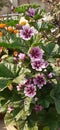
point(2, 125)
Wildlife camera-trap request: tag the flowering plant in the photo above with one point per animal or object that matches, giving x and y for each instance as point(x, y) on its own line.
point(30, 70)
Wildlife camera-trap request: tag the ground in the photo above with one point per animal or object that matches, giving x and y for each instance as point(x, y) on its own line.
point(2, 126)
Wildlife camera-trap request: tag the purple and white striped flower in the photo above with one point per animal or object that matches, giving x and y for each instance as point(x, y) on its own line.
point(27, 32)
point(38, 65)
point(40, 81)
point(31, 12)
point(30, 91)
point(35, 53)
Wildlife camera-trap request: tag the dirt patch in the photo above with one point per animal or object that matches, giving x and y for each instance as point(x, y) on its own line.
point(2, 125)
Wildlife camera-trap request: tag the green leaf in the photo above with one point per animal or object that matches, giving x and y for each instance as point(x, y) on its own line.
point(57, 104)
point(8, 119)
point(5, 72)
point(55, 94)
point(21, 124)
point(19, 45)
point(8, 45)
point(37, 16)
point(46, 128)
point(16, 111)
point(57, 101)
point(3, 83)
point(33, 128)
point(22, 8)
point(12, 67)
point(46, 26)
point(49, 48)
point(19, 79)
point(11, 22)
point(2, 109)
point(5, 94)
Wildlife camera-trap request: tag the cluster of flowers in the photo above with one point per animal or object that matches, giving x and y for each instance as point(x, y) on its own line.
point(30, 86)
point(38, 63)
